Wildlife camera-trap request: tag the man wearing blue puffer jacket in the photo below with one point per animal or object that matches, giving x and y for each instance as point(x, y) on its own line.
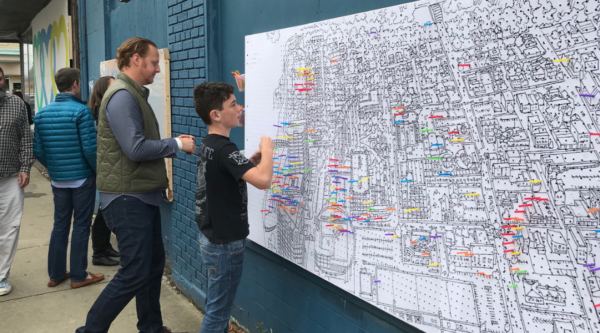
point(65, 143)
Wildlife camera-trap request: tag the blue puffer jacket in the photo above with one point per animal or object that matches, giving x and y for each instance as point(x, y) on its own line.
point(65, 139)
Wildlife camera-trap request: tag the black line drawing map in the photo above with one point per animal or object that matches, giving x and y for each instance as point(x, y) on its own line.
point(438, 159)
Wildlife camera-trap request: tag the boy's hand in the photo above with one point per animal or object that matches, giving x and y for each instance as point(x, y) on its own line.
point(266, 144)
point(189, 144)
point(256, 157)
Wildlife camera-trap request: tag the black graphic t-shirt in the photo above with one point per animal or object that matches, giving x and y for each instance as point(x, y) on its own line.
point(221, 194)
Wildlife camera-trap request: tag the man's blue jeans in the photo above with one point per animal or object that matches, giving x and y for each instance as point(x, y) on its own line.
point(224, 263)
point(77, 203)
point(138, 229)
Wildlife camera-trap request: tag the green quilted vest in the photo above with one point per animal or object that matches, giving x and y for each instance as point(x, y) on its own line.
point(117, 173)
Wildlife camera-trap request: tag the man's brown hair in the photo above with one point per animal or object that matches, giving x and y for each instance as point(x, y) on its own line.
point(65, 77)
point(132, 46)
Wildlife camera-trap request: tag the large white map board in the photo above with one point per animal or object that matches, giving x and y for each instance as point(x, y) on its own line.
point(159, 98)
point(468, 117)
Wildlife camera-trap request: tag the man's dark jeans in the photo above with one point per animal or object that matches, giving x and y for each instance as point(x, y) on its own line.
point(138, 230)
point(77, 203)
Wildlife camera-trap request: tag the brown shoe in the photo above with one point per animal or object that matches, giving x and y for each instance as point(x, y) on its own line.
point(168, 330)
point(95, 278)
point(56, 283)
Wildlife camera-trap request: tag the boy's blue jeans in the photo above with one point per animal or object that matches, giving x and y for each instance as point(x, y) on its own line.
point(224, 264)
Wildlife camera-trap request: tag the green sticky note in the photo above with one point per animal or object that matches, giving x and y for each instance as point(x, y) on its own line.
point(436, 158)
point(370, 208)
point(425, 130)
point(513, 286)
point(306, 170)
point(313, 140)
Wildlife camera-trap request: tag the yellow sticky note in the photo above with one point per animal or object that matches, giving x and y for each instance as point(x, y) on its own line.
point(362, 180)
point(455, 140)
point(516, 253)
point(436, 264)
point(367, 202)
point(310, 79)
point(394, 236)
point(561, 60)
point(303, 69)
point(472, 194)
point(535, 181)
point(295, 163)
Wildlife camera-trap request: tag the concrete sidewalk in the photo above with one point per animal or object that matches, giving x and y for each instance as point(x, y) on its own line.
point(32, 307)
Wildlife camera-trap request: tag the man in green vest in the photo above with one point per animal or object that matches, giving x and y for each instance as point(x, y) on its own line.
point(132, 179)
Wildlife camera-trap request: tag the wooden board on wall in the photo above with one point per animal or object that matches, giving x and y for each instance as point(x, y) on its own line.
point(159, 99)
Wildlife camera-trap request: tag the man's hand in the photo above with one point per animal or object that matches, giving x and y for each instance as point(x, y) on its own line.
point(188, 143)
point(266, 144)
point(256, 157)
point(23, 180)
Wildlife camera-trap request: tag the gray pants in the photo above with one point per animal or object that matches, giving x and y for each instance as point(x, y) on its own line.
point(11, 210)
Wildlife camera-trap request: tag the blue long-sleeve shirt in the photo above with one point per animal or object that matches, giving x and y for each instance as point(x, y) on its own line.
point(126, 122)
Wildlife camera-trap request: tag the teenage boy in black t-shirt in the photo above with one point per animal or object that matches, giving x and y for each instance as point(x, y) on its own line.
point(222, 198)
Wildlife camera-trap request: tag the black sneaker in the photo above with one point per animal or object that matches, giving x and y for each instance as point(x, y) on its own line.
point(112, 253)
point(104, 261)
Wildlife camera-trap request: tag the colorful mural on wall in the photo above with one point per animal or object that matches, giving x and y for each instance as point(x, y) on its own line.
point(50, 49)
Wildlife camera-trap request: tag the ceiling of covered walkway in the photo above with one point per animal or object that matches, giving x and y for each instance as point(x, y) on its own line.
point(15, 17)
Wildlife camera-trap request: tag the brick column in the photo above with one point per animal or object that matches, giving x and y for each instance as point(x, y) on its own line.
point(187, 41)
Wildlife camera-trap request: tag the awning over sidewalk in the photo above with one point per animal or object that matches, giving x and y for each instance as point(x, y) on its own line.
point(15, 17)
